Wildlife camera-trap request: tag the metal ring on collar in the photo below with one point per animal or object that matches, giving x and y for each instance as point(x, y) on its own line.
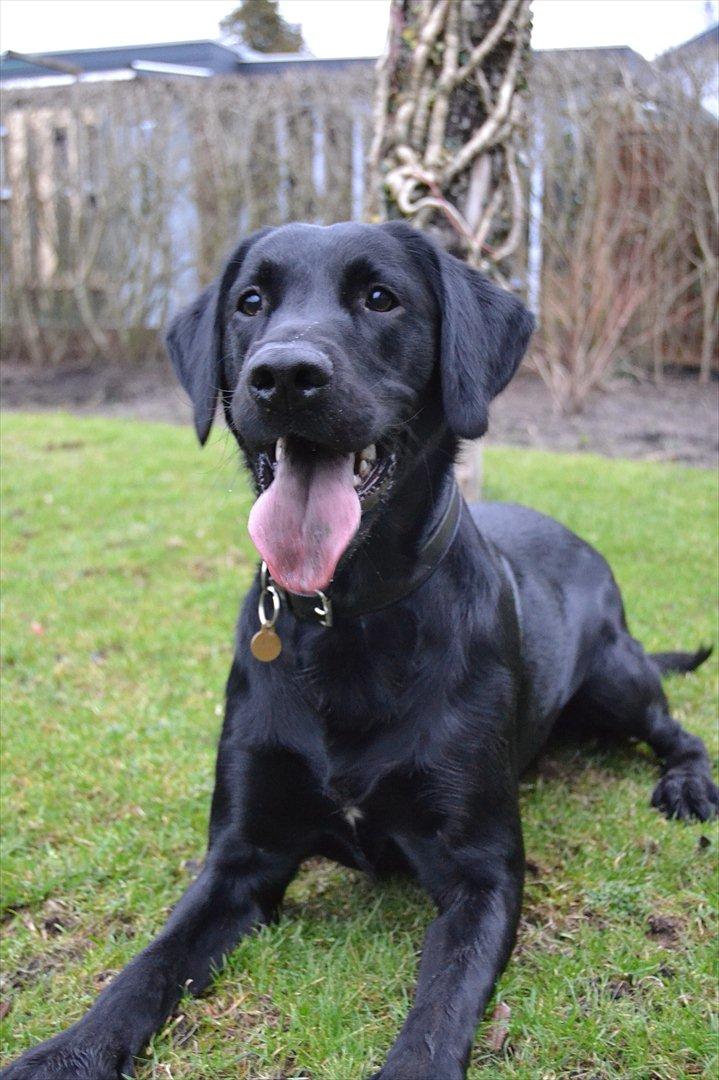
point(268, 621)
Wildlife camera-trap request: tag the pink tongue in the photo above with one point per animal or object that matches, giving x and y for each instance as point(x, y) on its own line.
point(305, 520)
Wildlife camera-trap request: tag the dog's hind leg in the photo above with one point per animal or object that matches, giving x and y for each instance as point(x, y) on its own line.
point(623, 694)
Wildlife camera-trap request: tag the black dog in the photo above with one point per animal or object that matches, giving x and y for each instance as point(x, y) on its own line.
point(426, 650)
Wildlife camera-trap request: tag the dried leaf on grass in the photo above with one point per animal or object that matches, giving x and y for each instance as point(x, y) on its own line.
point(498, 1030)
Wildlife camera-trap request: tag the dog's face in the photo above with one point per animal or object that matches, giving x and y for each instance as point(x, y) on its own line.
point(325, 343)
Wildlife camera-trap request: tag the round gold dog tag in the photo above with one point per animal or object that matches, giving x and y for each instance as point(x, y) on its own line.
point(265, 645)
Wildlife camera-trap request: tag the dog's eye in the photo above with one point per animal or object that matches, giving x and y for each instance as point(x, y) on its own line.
point(250, 303)
point(380, 299)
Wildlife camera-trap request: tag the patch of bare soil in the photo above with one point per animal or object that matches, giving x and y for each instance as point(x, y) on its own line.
point(134, 391)
point(678, 421)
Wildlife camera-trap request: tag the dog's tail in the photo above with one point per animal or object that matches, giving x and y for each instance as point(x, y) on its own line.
point(681, 662)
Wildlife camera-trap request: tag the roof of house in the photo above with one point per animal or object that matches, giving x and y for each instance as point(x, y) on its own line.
point(621, 57)
point(210, 55)
point(608, 65)
point(706, 43)
point(201, 58)
point(269, 64)
point(207, 58)
point(695, 64)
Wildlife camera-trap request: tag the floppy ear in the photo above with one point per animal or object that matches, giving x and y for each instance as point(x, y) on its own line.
point(194, 341)
point(485, 333)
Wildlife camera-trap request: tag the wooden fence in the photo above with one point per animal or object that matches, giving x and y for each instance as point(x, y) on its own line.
point(119, 199)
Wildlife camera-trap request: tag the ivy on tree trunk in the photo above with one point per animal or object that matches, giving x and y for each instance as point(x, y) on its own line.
point(449, 124)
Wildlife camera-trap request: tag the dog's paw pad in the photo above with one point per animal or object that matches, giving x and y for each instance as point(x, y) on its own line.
point(684, 795)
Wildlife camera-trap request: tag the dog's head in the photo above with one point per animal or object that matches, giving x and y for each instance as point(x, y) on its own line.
point(325, 343)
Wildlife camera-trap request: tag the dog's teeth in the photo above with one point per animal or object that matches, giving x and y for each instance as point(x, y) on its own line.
point(280, 450)
point(369, 453)
point(364, 469)
point(356, 480)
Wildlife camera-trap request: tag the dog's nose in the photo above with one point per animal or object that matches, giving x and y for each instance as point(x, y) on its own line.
point(288, 376)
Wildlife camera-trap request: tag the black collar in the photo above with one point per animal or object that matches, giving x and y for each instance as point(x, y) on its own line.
point(323, 608)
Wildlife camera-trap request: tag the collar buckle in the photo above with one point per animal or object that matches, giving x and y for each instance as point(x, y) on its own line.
point(323, 609)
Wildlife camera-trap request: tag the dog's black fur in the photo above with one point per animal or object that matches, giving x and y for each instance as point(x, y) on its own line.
point(421, 716)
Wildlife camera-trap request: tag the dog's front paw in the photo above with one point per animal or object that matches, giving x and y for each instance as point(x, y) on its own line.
point(685, 793)
point(409, 1067)
point(69, 1057)
point(390, 1073)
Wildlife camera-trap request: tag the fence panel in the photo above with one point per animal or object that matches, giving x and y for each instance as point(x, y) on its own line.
point(121, 199)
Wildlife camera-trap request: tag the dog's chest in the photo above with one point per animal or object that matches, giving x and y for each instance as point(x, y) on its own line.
point(351, 723)
point(374, 803)
point(373, 711)
point(359, 674)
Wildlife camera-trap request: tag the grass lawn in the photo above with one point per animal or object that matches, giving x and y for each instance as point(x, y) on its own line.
point(125, 557)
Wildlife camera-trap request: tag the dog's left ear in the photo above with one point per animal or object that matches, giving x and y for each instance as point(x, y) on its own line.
point(194, 341)
point(485, 333)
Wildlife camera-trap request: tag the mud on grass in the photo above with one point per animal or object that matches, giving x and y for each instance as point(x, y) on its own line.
point(125, 556)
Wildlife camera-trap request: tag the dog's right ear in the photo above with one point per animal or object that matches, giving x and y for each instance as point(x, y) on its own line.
point(194, 341)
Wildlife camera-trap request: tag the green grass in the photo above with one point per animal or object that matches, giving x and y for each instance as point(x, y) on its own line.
point(125, 557)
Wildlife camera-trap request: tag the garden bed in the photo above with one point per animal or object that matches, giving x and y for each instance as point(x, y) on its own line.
point(677, 421)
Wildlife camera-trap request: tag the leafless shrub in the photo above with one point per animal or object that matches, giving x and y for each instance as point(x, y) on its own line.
point(628, 227)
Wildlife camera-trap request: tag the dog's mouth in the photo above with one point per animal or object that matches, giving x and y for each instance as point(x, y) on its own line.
point(310, 506)
point(371, 467)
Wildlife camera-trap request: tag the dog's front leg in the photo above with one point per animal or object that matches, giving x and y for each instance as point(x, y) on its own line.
point(238, 889)
point(477, 884)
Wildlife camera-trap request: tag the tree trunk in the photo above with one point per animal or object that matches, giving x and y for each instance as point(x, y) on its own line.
point(449, 126)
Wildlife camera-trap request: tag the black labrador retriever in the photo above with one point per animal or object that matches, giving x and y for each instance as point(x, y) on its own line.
point(400, 658)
